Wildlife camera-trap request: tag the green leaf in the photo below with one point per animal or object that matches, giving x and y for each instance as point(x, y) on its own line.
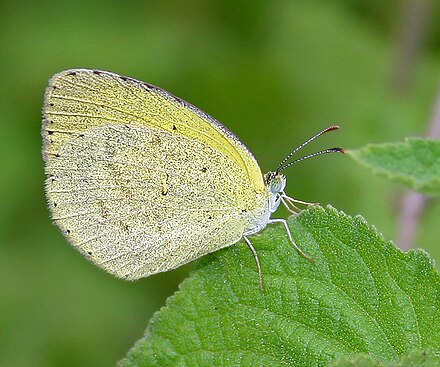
point(415, 358)
point(414, 162)
point(362, 295)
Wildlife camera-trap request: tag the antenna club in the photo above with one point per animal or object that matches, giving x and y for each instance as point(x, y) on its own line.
point(338, 150)
point(331, 128)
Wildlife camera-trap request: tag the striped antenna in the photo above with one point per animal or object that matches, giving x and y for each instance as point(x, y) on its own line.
point(282, 166)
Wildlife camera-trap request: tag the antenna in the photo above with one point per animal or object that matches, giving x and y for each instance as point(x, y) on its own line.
point(282, 166)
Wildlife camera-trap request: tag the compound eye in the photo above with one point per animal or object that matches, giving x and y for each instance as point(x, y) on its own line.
point(277, 184)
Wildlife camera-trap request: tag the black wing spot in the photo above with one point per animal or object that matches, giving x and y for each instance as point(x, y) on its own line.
point(174, 127)
point(51, 104)
point(126, 79)
point(204, 169)
point(90, 253)
point(97, 72)
point(55, 205)
point(210, 217)
point(179, 100)
point(49, 132)
point(68, 231)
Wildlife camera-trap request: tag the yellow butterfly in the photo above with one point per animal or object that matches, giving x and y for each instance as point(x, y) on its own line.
point(141, 182)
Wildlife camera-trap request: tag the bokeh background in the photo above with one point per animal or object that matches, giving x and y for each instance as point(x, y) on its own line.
point(274, 72)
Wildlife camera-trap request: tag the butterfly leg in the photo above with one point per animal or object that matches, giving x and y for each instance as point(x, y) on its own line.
point(260, 275)
point(284, 222)
point(292, 208)
point(291, 201)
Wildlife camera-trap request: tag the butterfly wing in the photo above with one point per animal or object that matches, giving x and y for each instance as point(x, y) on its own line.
point(139, 181)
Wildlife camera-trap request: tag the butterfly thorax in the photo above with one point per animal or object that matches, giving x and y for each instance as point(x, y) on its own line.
point(274, 183)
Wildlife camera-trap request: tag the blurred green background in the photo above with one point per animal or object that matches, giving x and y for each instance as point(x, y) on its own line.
point(274, 72)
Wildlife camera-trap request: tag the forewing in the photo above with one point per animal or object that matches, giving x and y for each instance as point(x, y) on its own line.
point(79, 99)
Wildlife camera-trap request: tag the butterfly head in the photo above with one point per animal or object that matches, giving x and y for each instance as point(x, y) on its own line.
point(275, 183)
